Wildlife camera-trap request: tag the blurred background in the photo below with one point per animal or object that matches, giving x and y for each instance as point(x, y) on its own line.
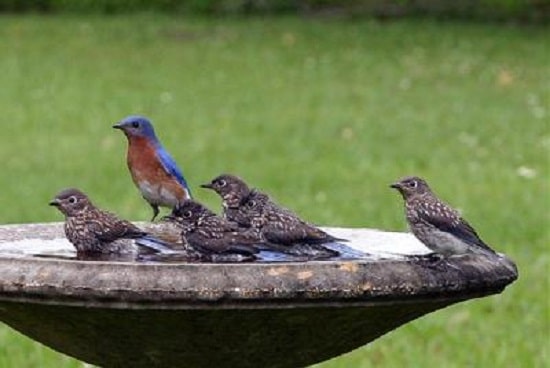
point(322, 104)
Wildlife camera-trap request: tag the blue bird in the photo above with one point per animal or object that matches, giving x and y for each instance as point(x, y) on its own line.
point(153, 170)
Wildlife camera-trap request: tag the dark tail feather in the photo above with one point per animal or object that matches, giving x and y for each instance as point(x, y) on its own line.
point(308, 251)
point(244, 249)
point(156, 245)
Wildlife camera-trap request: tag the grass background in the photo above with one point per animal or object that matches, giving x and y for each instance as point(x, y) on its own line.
point(321, 113)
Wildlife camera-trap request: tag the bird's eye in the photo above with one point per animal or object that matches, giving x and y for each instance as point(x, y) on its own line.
point(251, 204)
point(187, 214)
point(135, 124)
point(413, 184)
point(222, 183)
point(72, 199)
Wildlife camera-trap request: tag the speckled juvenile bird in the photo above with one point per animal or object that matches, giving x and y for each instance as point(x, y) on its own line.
point(153, 170)
point(92, 230)
point(210, 233)
point(232, 190)
point(437, 225)
point(278, 225)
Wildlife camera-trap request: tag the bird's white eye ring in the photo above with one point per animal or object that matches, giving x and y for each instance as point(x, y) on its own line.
point(413, 184)
point(222, 183)
point(72, 199)
point(187, 214)
point(251, 203)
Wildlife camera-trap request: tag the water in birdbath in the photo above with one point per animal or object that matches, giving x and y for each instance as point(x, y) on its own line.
point(354, 249)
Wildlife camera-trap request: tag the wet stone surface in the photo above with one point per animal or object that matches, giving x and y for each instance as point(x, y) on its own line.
point(48, 241)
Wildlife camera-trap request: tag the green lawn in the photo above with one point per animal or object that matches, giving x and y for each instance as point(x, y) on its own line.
point(323, 114)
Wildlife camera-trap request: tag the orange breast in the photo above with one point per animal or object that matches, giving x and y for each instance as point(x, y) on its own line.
point(142, 161)
point(148, 173)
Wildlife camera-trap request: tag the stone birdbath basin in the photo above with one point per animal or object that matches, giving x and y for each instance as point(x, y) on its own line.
point(283, 314)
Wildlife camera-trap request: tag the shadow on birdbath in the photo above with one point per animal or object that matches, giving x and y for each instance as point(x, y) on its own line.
point(284, 314)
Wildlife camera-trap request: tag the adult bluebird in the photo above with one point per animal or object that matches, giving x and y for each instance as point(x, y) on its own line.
point(434, 223)
point(153, 170)
point(232, 189)
point(92, 230)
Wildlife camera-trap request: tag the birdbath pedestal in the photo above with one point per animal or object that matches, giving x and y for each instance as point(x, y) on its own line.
point(285, 314)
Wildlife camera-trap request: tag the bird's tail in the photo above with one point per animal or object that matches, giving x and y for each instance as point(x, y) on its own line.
point(155, 245)
point(486, 251)
point(309, 251)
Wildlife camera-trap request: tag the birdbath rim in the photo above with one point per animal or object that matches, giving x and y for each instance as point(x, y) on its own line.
point(247, 285)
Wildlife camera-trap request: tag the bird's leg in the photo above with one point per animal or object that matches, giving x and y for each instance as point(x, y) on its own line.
point(433, 257)
point(430, 260)
point(155, 211)
point(429, 257)
point(435, 261)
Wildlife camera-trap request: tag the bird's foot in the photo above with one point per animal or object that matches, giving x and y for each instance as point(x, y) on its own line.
point(434, 261)
point(429, 257)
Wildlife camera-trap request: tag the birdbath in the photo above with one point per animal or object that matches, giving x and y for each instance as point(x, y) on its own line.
point(280, 314)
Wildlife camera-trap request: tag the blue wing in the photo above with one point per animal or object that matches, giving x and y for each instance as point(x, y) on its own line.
point(155, 245)
point(171, 167)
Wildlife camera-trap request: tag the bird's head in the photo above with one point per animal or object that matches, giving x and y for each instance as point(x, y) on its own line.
point(136, 126)
point(70, 202)
point(411, 186)
point(189, 213)
point(228, 186)
point(251, 207)
point(255, 201)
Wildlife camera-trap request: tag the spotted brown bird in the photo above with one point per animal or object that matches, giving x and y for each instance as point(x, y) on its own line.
point(92, 230)
point(434, 223)
point(280, 226)
point(212, 234)
point(232, 190)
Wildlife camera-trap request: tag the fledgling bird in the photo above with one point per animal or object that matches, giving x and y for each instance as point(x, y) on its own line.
point(434, 223)
point(92, 230)
point(280, 226)
point(232, 190)
point(212, 234)
point(153, 170)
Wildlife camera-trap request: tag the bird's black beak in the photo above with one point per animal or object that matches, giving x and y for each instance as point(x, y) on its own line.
point(118, 126)
point(207, 186)
point(54, 202)
point(395, 185)
point(168, 218)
